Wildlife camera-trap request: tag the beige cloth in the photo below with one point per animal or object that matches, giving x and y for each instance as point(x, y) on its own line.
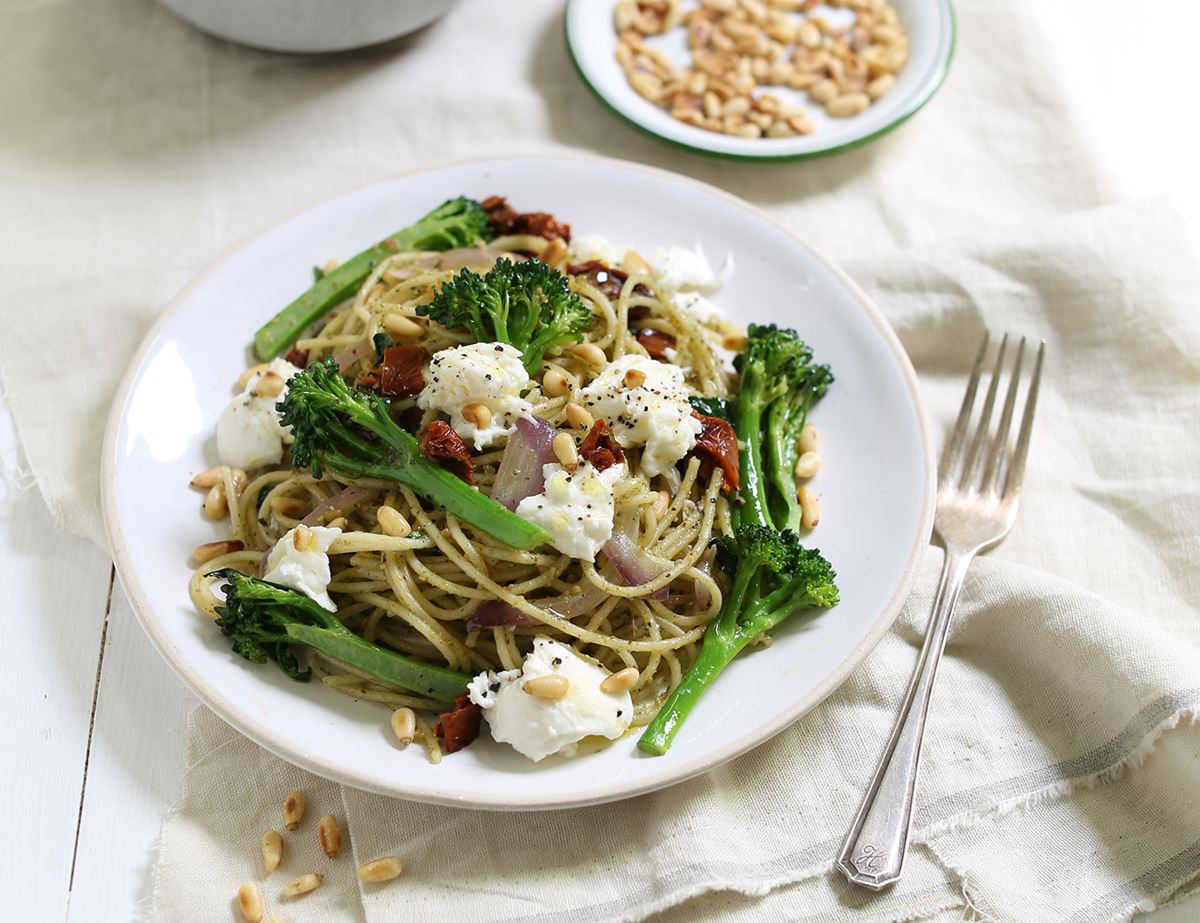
point(136, 150)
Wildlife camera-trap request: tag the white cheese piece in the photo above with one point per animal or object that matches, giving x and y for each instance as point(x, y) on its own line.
point(490, 374)
point(249, 433)
point(655, 414)
point(696, 305)
point(594, 247)
point(681, 269)
point(575, 508)
point(306, 571)
point(537, 727)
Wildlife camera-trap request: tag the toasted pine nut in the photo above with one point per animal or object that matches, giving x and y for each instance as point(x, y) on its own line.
point(404, 726)
point(620, 681)
point(565, 451)
point(210, 476)
point(384, 869)
point(551, 688)
point(302, 538)
point(250, 902)
point(292, 507)
point(808, 465)
point(399, 325)
point(240, 480)
point(215, 504)
point(850, 104)
point(823, 91)
point(270, 385)
point(272, 850)
point(634, 378)
point(329, 833)
point(635, 264)
point(205, 553)
point(661, 502)
point(880, 85)
point(556, 382)
point(808, 439)
point(577, 415)
point(735, 342)
point(294, 806)
point(244, 378)
point(809, 35)
point(392, 522)
point(739, 105)
point(338, 522)
point(590, 353)
point(331, 264)
point(479, 414)
point(555, 253)
point(810, 508)
point(302, 884)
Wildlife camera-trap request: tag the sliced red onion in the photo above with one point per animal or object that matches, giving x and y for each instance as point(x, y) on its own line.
point(338, 505)
point(520, 472)
point(496, 612)
point(352, 353)
point(635, 565)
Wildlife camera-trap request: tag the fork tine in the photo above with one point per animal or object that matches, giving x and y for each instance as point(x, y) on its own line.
point(985, 417)
point(1000, 441)
point(1016, 470)
point(954, 444)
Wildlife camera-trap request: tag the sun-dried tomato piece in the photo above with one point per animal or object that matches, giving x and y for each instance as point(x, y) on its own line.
point(600, 447)
point(600, 276)
point(297, 357)
point(456, 729)
point(717, 446)
point(504, 219)
point(439, 441)
point(655, 342)
point(399, 374)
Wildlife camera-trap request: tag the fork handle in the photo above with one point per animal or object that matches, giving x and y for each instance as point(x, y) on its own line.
point(873, 854)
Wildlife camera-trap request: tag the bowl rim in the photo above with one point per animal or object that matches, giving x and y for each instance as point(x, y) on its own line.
point(261, 733)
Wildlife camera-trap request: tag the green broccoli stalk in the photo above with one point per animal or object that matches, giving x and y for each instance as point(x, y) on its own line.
point(349, 432)
point(266, 621)
point(527, 305)
point(772, 576)
point(786, 418)
point(457, 223)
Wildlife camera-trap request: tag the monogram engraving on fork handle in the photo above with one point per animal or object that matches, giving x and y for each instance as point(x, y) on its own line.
point(868, 858)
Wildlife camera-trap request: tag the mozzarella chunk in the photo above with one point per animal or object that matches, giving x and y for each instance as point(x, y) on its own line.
point(594, 247)
point(696, 306)
point(306, 571)
point(575, 508)
point(683, 269)
point(537, 727)
point(656, 414)
point(490, 374)
point(249, 433)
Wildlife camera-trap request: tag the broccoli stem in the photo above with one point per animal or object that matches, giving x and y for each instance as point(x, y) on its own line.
point(748, 423)
point(347, 648)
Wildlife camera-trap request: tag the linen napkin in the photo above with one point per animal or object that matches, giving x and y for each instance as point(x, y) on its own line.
point(1061, 774)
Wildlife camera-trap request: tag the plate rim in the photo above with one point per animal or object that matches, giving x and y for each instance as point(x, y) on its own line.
point(261, 733)
point(904, 114)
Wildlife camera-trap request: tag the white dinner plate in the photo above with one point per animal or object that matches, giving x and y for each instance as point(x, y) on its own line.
point(877, 485)
point(929, 24)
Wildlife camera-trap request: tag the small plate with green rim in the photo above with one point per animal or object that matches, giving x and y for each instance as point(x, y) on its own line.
point(592, 42)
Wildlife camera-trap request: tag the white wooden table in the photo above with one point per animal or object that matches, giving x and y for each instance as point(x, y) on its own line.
point(93, 721)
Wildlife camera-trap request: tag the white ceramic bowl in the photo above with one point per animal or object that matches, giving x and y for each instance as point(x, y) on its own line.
point(309, 25)
point(876, 485)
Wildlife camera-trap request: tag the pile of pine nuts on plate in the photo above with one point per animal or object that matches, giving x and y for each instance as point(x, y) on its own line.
point(738, 46)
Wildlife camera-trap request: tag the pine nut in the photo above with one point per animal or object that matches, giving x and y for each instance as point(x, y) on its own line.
point(400, 325)
point(578, 416)
point(848, 105)
point(823, 91)
point(244, 378)
point(551, 688)
point(634, 378)
point(624, 15)
point(620, 681)
point(591, 354)
point(338, 522)
point(712, 104)
point(330, 265)
point(294, 806)
point(404, 726)
point(239, 480)
point(661, 502)
point(735, 342)
point(810, 508)
point(392, 522)
point(555, 253)
point(635, 264)
point(215, 504)
point(565, 451)
point(646, 85)
point(292, 507)
point(329, 834)
point(479, 414)
point(302, 884)
point(250, 902)
point(880, 85)
point(205, 553)
point(809, 35)
point(270, 385)
point(302, 538)
point(209, 477)
point(556, 382)
point(272, 850)
point(739, 105)
point(808, 464)
point(384, 869)
point(808, 441)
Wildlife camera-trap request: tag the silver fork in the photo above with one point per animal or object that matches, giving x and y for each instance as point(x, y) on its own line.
point(978, 486)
